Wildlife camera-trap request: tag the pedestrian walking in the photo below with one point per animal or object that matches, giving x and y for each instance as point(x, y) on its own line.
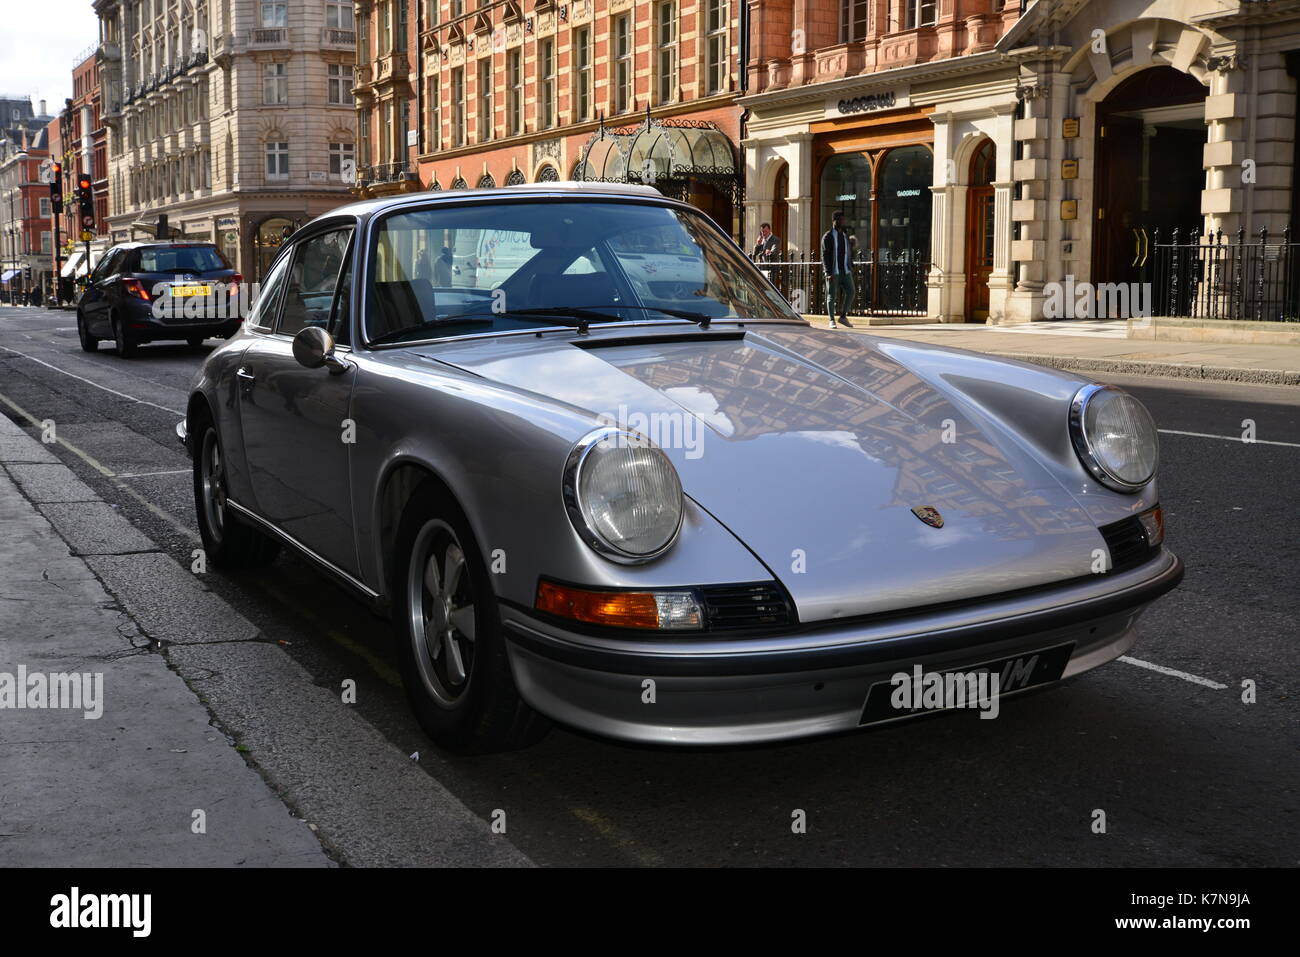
point(837, 261)
point(768, 247)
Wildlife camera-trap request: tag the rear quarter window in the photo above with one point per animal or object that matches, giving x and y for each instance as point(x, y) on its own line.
point(177, 259)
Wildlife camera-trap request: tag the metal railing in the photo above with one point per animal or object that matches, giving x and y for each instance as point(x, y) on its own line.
point(1213, 276)
point(879, 288)
point(386, 172)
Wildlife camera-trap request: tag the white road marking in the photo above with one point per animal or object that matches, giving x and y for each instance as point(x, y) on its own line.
point(150, 474)
point(1194, 679)
point(73, 375)
point(1229, 438)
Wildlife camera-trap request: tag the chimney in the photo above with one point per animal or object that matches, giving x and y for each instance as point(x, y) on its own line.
point(42, 107)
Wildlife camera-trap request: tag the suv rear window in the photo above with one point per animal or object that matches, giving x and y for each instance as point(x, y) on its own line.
point(174, 259)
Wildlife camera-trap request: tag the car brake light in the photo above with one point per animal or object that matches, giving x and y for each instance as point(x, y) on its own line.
point(134, 287)
point(233, 287)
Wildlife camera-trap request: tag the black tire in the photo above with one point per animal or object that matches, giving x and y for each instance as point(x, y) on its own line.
point(486, 713)
point(88, 342)
point(227, 541)
point(123, 344)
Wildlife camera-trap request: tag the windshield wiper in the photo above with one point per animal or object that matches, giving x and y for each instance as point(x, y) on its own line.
point(399, 334)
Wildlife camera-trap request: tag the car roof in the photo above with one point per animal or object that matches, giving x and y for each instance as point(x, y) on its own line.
point(173, 242)
point(561, 188)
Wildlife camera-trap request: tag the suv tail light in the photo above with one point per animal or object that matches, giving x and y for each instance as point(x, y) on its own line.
point(232, 289)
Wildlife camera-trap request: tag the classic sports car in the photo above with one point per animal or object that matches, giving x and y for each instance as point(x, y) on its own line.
point(626, 488)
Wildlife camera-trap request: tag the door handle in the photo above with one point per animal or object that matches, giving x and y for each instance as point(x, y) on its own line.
point(247, 378)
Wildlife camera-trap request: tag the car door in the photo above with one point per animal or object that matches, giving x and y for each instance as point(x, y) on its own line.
point(294, 420)
point(95, 302)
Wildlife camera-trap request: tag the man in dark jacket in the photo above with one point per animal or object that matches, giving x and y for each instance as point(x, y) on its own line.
point(768, 247)
point(837, 261)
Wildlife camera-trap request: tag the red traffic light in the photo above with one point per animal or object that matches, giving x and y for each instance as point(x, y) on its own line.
point(58, 168)
point(83, 182)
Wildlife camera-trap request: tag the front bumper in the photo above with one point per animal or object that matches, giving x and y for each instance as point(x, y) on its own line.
point(814, 680)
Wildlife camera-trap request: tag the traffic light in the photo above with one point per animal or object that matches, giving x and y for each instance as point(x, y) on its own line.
point(86, 202)
point(56, 189)
point(27, 273)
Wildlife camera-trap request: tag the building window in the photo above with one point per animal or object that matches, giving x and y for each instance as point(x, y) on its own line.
point(386, 133)
point(515, 78)
point(275, 84)
point(622, 63)
point(715, 52)
point(582, 73)
point(274, 13)
point(338, 16)
point(341, 158)
point(277, 160)
point(386, 27)
point(853, 20)
point(47, 243)
point(433, 137)
point(457, 8)
point(399, 43)
point(458, 106)
point(45, 207)
point(363, 134)
point(846, 185)
point(903, 205)
point(401, 123)
point(340, 84)
point(547, 72)
point(485, 99)
point(920, 13)
point(666, 51)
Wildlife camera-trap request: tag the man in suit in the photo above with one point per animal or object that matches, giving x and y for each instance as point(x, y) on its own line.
point(837, 261)
point(768, 247)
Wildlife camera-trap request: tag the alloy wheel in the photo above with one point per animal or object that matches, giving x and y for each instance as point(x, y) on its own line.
point(441, 613)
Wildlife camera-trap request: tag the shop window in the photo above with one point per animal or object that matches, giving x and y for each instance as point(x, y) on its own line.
point(903, 205)
point(846, 185)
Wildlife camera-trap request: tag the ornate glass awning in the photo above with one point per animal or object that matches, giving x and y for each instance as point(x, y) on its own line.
point(666, 153)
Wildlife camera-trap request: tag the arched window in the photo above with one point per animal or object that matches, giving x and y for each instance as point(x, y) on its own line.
point(903, 205)
point(846, 185)
point(435, 186)
point(487, 181)
point(982, 165)
point(515, 178)
point(459, 183)
point(548, 174)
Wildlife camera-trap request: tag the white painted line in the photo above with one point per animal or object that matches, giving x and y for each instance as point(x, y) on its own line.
point(1229, 438)
point(150, 474)
point(89, 382)
point(1194, 679)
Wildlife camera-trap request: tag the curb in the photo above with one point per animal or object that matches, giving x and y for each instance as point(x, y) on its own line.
point(1171, 370)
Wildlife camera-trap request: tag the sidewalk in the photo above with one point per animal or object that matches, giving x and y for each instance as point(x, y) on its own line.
point(121, 789)
point(1092, 347)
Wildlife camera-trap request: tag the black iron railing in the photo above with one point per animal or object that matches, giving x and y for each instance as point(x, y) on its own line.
point(879, 288)
point(1214, 276)
point(387, 172)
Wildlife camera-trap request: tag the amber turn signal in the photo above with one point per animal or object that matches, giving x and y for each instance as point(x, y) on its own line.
point(620, 609)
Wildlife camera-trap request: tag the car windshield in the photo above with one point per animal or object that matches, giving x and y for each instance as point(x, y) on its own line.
point(173, 259)
point(444, 271)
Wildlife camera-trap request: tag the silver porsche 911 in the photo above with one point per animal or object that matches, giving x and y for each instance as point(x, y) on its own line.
point(597, 471)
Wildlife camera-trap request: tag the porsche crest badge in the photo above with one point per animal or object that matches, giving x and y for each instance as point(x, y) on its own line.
point(928, 515)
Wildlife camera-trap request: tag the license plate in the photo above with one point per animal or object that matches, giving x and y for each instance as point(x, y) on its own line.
point(191, 290)
point(1015, 673)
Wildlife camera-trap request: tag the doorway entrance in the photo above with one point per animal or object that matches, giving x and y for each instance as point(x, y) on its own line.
point(1150, 137)
point(979, 232)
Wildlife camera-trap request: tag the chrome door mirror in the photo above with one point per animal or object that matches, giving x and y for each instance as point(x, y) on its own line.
point(313, 347)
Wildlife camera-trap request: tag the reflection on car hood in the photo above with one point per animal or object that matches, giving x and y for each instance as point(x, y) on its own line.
point(814, 450)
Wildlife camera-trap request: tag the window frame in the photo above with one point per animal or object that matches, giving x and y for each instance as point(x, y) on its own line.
point(623, 46)
point(296, 252)
point(666, 30)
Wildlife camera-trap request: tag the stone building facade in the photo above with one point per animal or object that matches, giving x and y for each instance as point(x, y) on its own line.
point(1008, 152)
point(232, 117)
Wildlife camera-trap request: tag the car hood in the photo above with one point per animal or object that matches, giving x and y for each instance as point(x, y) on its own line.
point(815, 449)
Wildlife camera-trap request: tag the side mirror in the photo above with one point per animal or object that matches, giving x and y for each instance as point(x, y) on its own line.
point(313, 347)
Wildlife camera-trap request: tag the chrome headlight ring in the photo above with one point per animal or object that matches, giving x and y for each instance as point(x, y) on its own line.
point(1086, 445)
point(572, 484)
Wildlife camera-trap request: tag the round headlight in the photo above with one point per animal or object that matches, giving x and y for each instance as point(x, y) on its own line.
point(1114, 436)
point(623, 495)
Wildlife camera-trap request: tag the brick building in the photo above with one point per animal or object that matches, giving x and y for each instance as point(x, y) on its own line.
point(26, 238)
point(521, 91)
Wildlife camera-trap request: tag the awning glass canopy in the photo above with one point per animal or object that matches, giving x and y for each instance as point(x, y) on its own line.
point(655, 150)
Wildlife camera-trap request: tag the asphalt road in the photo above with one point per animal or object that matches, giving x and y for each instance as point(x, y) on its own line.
point(1185, 771)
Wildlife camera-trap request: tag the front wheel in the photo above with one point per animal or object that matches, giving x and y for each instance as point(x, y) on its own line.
point(226, 540)
point(450, 643)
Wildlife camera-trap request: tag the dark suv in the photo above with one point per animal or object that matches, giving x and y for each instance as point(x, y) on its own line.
point(147, 292)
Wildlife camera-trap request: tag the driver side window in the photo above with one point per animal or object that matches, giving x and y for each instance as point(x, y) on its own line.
point(313, 279)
